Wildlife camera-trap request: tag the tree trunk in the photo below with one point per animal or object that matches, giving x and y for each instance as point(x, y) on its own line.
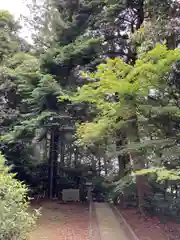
point(70, 156)
point(137, 162)
point(53, 156)
point(99, 166)
point(50, 166)
point(121, 158)
point(140, 14)
point(105, 164)
point(75, 156)
point(55, 163)
point(122, 162)
point(136, 158)
point(93, 164)
point(122, 165)
point(171, 41)
point(45, 156)
point(62, 148)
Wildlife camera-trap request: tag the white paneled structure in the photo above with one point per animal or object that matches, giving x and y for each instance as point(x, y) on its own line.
point(70, 195)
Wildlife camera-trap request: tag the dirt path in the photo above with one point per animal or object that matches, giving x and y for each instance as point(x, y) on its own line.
point(76, 222)
point(62, 222)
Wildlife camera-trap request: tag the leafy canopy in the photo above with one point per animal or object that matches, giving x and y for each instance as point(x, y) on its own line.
point(116, 80)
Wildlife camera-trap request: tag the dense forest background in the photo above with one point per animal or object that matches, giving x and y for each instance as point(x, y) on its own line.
point(94, 98)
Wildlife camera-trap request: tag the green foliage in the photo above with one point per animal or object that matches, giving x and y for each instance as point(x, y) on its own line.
point(158, 27)
point(124, 93)
point(19, 77)
point(124, 184)
point(131, 84)
point(162, 174)
point(16, 221)
point(130, 101)
point(101, 186)
point(8, 35)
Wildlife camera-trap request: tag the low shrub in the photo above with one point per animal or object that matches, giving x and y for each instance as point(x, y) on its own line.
point(16, 221)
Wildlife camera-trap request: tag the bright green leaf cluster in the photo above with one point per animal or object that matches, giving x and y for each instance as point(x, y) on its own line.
point(126, 83)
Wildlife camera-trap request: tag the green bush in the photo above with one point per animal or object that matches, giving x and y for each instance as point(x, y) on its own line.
point(16, 221)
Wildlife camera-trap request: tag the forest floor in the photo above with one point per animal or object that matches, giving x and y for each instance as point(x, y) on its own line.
point(62, 222)
point(151, 228)
point(71, 222)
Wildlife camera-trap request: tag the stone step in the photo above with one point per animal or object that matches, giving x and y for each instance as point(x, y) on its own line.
point(109, 226)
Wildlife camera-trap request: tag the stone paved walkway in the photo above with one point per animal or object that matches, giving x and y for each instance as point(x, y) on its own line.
point(109, 227)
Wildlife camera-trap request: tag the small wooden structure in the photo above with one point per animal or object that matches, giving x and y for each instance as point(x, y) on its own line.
point(70, 195)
